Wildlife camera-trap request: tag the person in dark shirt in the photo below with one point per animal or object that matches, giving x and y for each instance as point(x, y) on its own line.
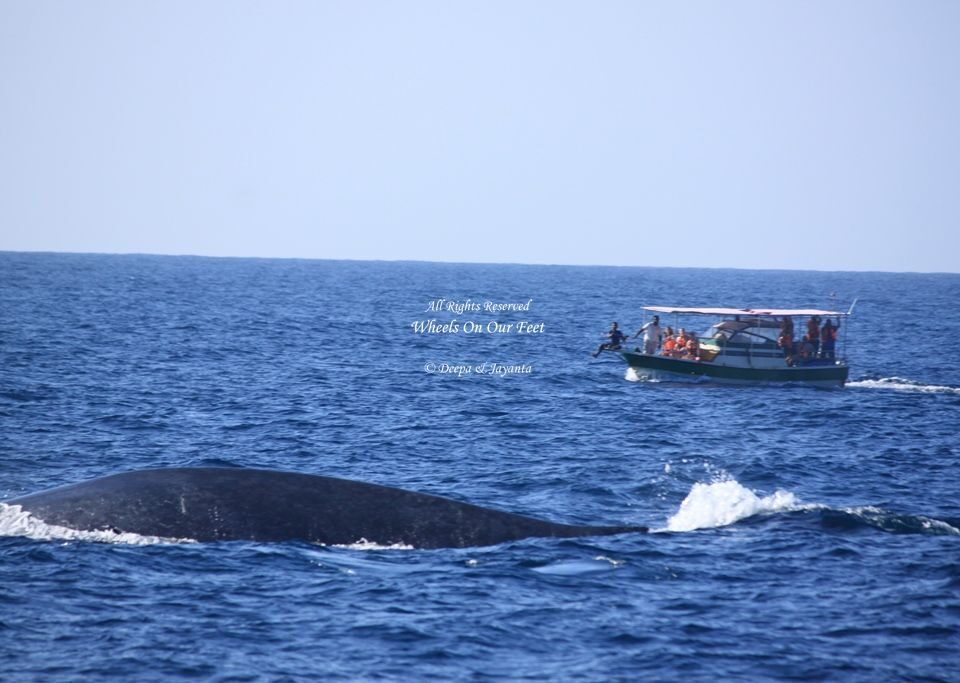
point(785, 340)
point(616, 338)
point(813, 333)
point(828, 339)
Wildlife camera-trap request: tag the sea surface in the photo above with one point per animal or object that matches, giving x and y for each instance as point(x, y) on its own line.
point(797, 533)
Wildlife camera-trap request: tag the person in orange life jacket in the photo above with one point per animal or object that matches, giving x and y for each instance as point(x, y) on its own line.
point(680, 344)
point(616, 338)
point(669, 342)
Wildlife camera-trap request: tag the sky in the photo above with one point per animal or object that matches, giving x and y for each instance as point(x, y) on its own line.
point(816, 135)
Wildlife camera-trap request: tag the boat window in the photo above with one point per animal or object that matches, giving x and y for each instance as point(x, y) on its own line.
point(725, 329)
point(750, 331)
point(732, 325)
point(765, 323)
point(718, 333)
point(759, 335)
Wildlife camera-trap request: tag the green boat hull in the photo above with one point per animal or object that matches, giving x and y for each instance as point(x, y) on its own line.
point(661, 367)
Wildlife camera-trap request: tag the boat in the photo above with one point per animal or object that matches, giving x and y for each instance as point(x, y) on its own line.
point(746, 346)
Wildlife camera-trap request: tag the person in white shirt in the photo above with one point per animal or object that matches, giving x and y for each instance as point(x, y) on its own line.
point(652, 335)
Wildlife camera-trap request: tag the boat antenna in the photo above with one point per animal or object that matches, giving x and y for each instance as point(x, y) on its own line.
point(855, 299)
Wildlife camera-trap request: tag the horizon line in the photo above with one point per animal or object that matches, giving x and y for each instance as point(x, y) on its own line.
point(468, 263)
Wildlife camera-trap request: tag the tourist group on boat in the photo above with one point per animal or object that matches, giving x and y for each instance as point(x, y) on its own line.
point(819, 341)
point(744, 345)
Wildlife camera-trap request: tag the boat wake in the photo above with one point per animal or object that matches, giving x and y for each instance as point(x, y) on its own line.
point(15, 522)
point(646, 376)
point(904, 385)
point(633, 376)
point(725, 502)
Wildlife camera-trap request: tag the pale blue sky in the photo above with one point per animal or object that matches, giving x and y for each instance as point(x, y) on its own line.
point(822, 135)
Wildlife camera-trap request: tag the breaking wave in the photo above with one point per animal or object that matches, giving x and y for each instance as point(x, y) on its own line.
point(722, 503)
point(725, 502)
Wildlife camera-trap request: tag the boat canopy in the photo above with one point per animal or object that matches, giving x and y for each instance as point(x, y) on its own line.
point(771, 312)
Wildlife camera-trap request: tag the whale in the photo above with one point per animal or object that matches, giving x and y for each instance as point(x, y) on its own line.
point(209, 504)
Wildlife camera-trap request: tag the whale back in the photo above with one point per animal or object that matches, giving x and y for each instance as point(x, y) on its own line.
point(223, 504)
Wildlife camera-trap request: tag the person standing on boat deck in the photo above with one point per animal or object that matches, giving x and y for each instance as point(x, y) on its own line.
point(652, 335)
point(785, 340)
point(807, 350)
point(813, 332)
point(828, 339)
point(786, 328)
point(616, 338)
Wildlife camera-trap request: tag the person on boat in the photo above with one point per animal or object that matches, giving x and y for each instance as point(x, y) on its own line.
point(807, 350)
point(652, 335)
point(680, 343)
point(828, 339)
point(786, 328)
point(813, 332)
point(616, 338)
point(693, 347)
point(669, 342)
point(785, 340)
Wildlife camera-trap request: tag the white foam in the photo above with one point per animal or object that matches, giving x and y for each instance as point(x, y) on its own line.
point(724, 502)
point(578, 567)
point(364, 544)
point(879, 518)
point(633, 376)
point(613, 562)
point(939, 525)
point(905, 385)
point(14, 521)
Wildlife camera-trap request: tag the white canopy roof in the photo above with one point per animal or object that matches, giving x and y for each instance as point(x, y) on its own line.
point(772, 312)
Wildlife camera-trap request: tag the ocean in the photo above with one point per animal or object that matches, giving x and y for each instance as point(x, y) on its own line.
point(796, 533)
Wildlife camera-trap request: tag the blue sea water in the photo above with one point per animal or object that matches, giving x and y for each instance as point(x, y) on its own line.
point(799, 534)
